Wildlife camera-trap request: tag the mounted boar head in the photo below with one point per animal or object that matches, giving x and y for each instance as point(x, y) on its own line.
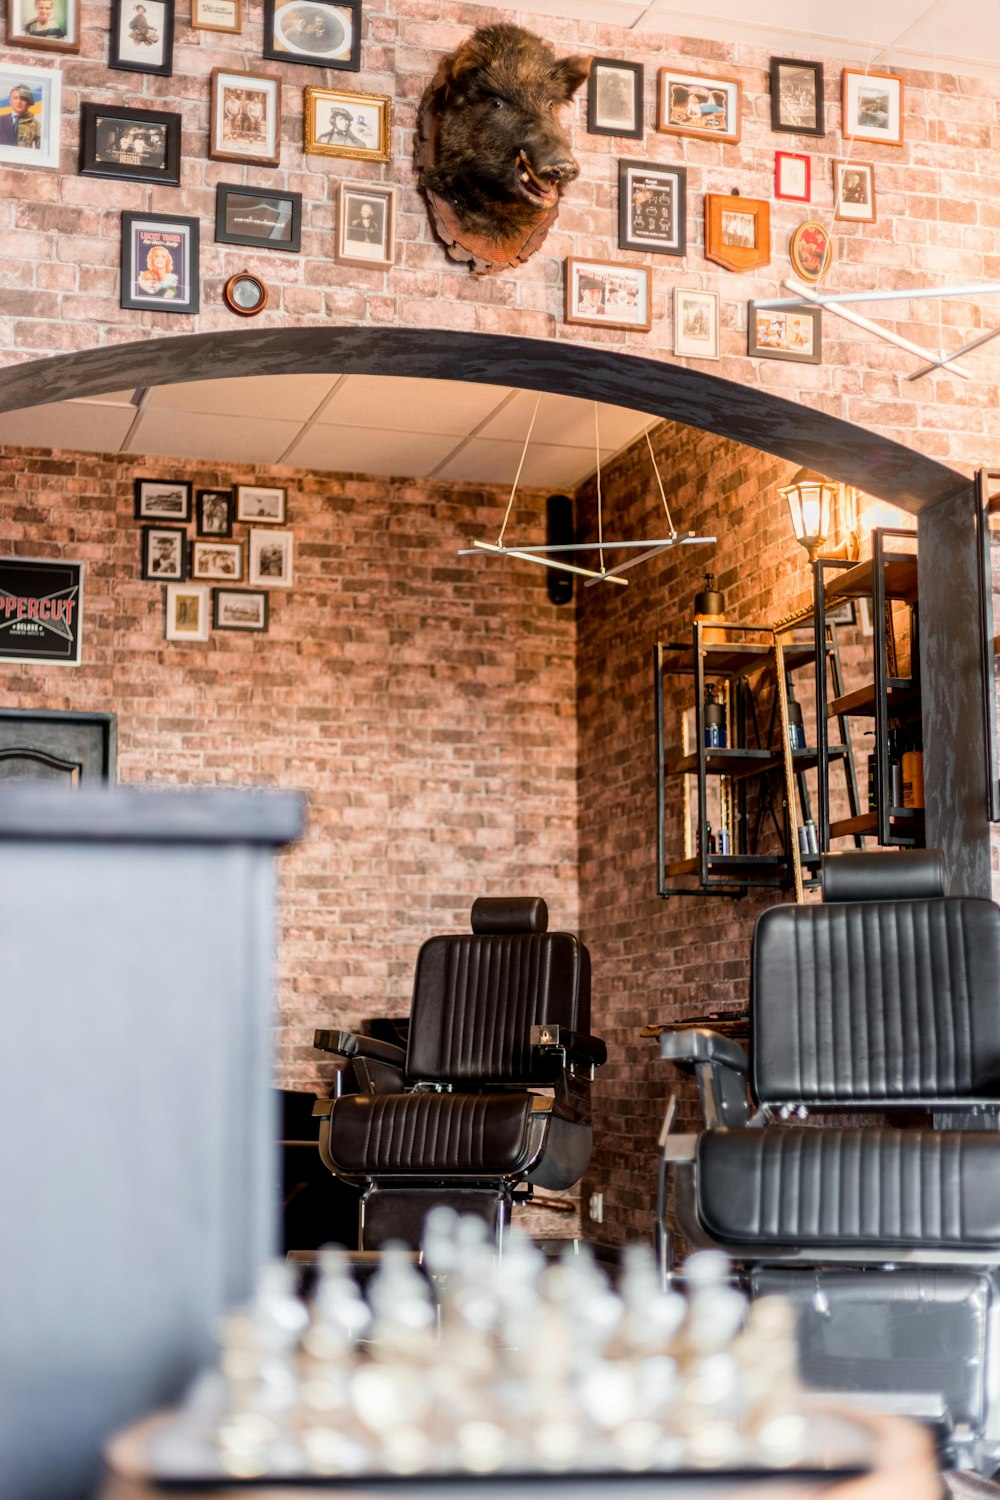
point(493, 153)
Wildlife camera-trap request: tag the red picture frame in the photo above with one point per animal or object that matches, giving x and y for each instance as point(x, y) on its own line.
point(792, 176)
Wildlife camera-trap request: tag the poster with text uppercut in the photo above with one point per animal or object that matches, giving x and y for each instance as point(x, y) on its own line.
point(40, 605)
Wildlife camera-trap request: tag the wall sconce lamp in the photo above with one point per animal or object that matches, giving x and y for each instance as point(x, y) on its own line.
point(811, 500)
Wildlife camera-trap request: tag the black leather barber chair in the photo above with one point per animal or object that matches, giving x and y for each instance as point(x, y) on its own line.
point(491, 1095)
point(883, 1000)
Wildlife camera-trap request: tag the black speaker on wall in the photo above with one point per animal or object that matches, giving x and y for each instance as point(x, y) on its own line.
point(559, 532)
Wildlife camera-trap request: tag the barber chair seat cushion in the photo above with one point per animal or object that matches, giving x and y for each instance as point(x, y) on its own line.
point(818, 1188)
point(429, 1133)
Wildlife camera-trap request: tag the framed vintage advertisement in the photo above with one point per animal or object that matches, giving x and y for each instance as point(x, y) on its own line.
point(696, 323)
point(164, 553)
point(811, 250)
point(246, 117)
point(187, 612)
point(797, 96)
point(341, 123)
point(44, 25)
point(159, 265)
point(264, 504)
point(214, 512)
point(694, 104)
point(271, 559)
point(319, 33)
point(239, 609)
point(41, 602)
point(737, 231)
point(161, 500)
point(652, 207)
point(854, 191)
point(786, 333)
point(30, 110)
point(614, 98)
point(139, 145)
point(792, 177)
point(217, 15)
point(253, 216)
point(366, 224)
point(219, 560)
point(872, 106)
point(142, 36)
point(608, 294)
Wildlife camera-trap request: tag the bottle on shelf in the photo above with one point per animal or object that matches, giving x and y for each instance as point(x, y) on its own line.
point(715, 720)
point(913, 771)
point(896, 768)
point(796, 730)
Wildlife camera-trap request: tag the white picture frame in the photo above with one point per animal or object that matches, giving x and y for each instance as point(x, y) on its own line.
point(187, 612)
point(45, 110)
point(696, 323)
point(262, 504)
point(270, 559)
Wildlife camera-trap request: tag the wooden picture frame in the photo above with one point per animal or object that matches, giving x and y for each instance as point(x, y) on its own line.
point(217, 560)
point(142, 36)
point(164, 553)
point(245, 294)
point(134, 145)
point(214, 513)
point(339, 122)
point(246, 117)
point(217, 15)
point(698, 104)
point(797, 106)
point(792, 177)
point(696, 323)
point(264, 505)
point(186, 612)
point(652, 207)
point(793, 333)
point(366, 224)
point(614, 98)
point(316, 33)
point(44, 25)
point(159, 265)
point(271, 559)
point(30, 115)
point(161, 500)
point(854, 191)
point(240, 609)
point(737, 231)
point(872, 108)
point(258, 217)
point(810, 250)
point(608, 294)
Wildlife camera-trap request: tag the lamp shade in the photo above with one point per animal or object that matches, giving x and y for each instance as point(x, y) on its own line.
point(809, 499)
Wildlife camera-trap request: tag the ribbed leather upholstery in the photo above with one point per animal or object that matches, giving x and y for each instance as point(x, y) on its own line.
point(824, 1188)
point(860, 1004)
point(456, 1134)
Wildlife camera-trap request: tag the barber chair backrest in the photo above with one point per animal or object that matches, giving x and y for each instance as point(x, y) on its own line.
point(477, 995)
point(886, 995)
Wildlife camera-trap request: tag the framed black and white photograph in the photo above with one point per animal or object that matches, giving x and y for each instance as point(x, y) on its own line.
point(842, 614)
point(652, 207)
point(854, 191)
point(696, 323)
point(44, 25)
point(319, 33)
point(252, 216)
point(271, 559)
point(608, 294)
point(246, 117)
point(873, 108)
point(139, 145)
point(239, 609)
point(614, 98)
point(142, 36)
point(366, 224)
point(161, 500)
point(42, 620)
point(786, 333)
point(264, 504)
point(164, 553)
point(217, 15)
point(187, 612)
point(159, 263)
point(220, 560)
point(339, 122)
point(30, 111)
point(797, 97)
point(214, 512)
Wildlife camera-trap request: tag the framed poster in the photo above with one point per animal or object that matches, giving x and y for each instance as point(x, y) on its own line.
point(608, 294)
point(142, 36)
point(652, 207)
point(319, 33)
point(366, 224)
point(159, 264)
point(44, 25)
point(257, 217)
point(797, 96)
point(694, 104)
point(786, 333)
point(138, 145)
point(614, 98)
point(40, 606)
point(30, 107)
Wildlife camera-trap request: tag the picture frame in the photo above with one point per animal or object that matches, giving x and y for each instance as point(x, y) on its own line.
point(222, 561)
point(872, 108)
point(608, 294)
point(854, 191)
point(240, 609)
point(29, 130)
point(810, 250)
point(698, 104)
point(161, 500)
point(792, 177)
point(164, 553)
point(142, 36)
point(159, 264)
point(44, 25)
point(214, 513)
point(842, 614)
point(263, 504)
point(217, 15)
point(737, 231)
point(317, 33)
point(366, 224)
point(135, 145)
point(254, 216)
point(652, 207)
point(794, 333)
point(339, 122)
point(270, 559)
point(797, 106)
point(246, 117)
point(614, 98)
point(696, 323)
point(48, 593)
point(186, 612)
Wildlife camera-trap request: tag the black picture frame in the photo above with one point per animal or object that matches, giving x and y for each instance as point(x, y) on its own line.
point(161, 500)
point(797, 106)
point(652, 207)
point(238, 208)
point(159, 287)
point(606, 73)
point(772, 334)
point(164, 553)
point(227, 603)
point(127, 41)
point(341, 20)
point(214, 513)
point(107, 131)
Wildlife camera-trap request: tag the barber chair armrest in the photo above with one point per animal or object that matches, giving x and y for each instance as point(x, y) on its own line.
point(700, 1045)
point(720, 1065)
point(578, 1047)
point(349, 1044)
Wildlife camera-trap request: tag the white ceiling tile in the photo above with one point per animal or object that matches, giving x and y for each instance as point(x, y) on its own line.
point(219, 439)
point(849, 20)
point(402, 404)
point(486, 461)
point(967, 29)
point(67, 424)
point(565, 422)
point(369, 450)
point(291, 397)
point(604, 12)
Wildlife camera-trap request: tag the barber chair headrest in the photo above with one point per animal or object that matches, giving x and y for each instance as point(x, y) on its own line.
point(498, 914)
point(883, 875)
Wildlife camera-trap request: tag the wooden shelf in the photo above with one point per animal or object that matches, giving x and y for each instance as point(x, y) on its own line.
point(901, 693)
point(732, 659)
point(867, 822)
point(857, 583)
point(739, 763)
point(728, 864)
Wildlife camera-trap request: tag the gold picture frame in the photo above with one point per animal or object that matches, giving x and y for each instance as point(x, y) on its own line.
point(217, 15)
point(341, 122)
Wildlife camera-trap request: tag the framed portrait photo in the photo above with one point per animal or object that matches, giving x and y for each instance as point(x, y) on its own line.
point(44, 25)
point(696, 323)
point(264, 504)
point(614, 98)
point(319, 33)
point(214, 512)
point(219, 560)
point(810, 250)
point(854, 191)
point(246, 117)
point(142, 36)
point(160, 264)
point(187, 612)
point(271, 559)
point(872, 106)
point(652, 207)
point(139, 145)
point(251, 216)
point(164, 553)
point(786, 333)
point(341, 123)
point(366, 224)
point(161, 500)
point(737, 231)
point(239, 609)
point(217, 15)
point(694, 104)
point(30, 110)
point(792, 177)
point(797, 97)
point(608, 294)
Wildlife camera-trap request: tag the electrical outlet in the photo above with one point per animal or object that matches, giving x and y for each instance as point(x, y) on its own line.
point(595, 1208)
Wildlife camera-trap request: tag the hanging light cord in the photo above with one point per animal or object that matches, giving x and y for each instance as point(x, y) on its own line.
point(600, 525)
point(659, 481)
point(517, 476)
